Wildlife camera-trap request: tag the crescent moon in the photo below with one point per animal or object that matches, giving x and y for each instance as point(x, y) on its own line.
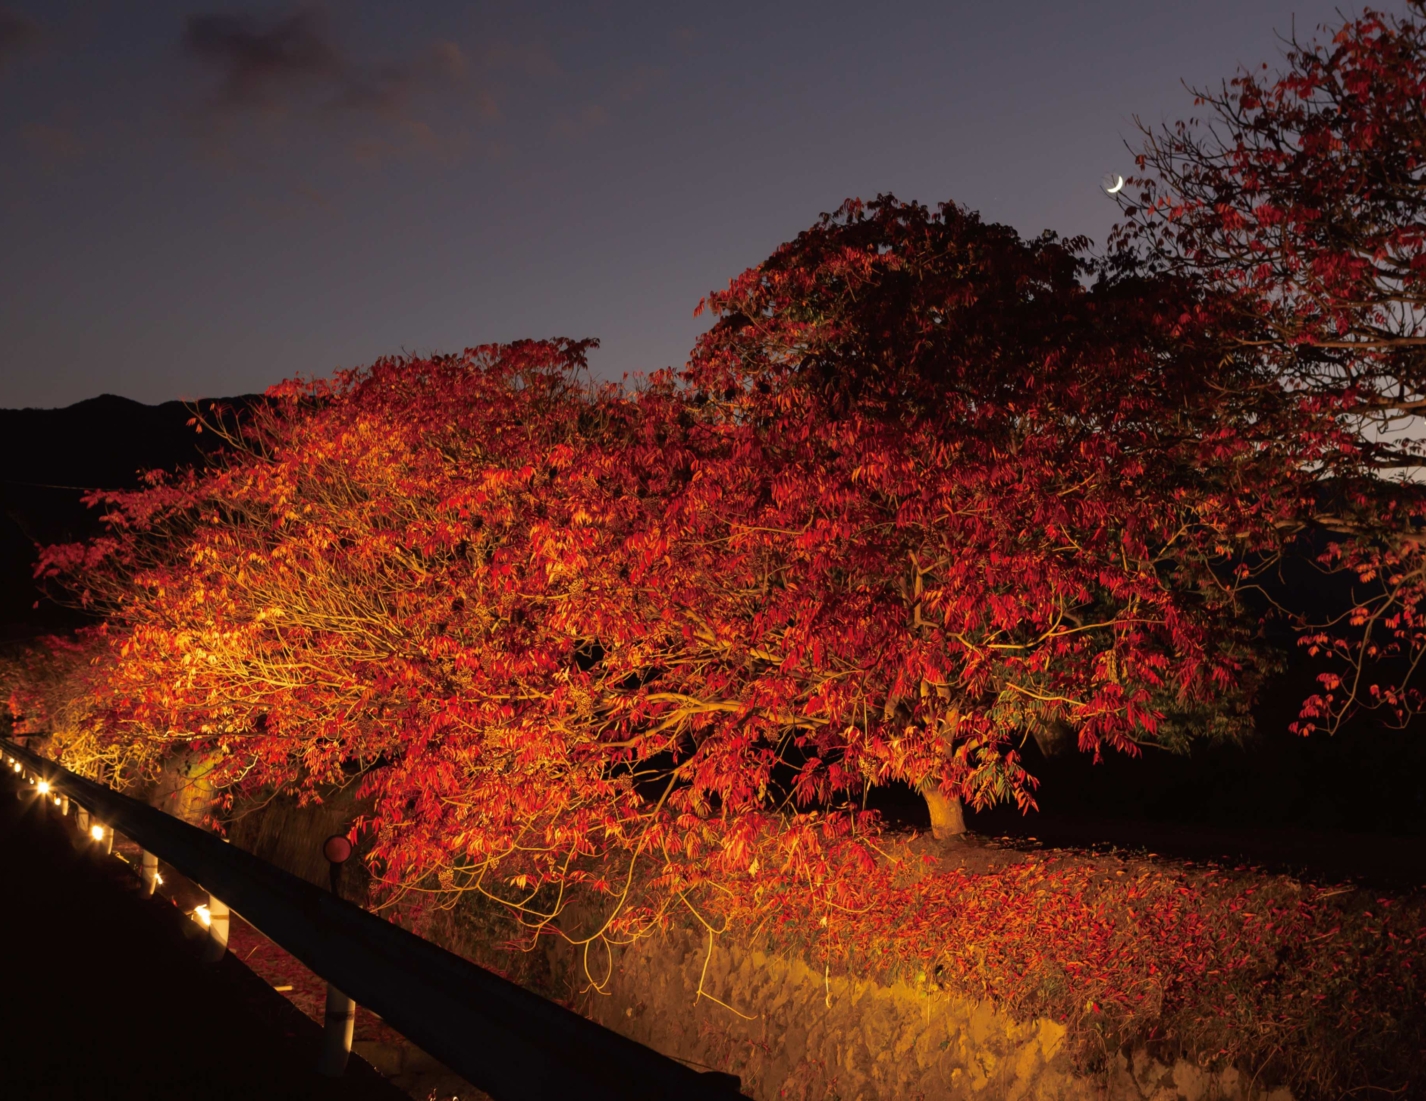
point(1118, 187)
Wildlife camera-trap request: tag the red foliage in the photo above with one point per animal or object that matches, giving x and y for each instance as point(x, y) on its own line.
point(920, 494)
point(998, 501)
point(1320, 988)
point(1300, 203)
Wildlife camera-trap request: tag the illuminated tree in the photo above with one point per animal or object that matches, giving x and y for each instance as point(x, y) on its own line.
point(921, 494)
point(1299, 201)
point(51, 689)
point(1001, 503)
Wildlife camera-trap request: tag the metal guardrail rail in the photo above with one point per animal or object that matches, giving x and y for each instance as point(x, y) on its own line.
point(515, 1045)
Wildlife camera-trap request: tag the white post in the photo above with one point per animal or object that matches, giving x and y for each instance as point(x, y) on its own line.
point(108, 841)
point(148, 872)
point(337, 1036)
point(64, 806)
point(217, 945)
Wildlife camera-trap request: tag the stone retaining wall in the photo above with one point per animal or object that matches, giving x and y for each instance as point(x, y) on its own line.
point(790, 1031)
point(793, 1033)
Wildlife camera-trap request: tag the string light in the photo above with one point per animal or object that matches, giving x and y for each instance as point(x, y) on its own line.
point(204, 915)
point(96, 831)
point(44, 787)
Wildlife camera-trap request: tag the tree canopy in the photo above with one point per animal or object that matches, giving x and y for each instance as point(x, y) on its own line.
point(923, 492)
point(1298, 201)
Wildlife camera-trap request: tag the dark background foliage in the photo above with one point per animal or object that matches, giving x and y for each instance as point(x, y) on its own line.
point(49, 459)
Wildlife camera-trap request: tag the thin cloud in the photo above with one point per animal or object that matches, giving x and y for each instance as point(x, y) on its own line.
point(291, 68)
point(638, 83)
point(17, 33)
point(532, 60)
point(450, 59)
point(55, 145)
point(264, 65)
point(292, 62)
point(383, 91)
point(589, 118)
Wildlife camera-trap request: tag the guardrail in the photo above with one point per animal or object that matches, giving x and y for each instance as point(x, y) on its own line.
point(515, 1045)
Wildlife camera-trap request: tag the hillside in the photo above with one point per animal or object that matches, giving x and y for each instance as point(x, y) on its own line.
point(49, 458)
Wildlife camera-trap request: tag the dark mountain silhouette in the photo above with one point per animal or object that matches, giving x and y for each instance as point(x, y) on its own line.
point(49, 458)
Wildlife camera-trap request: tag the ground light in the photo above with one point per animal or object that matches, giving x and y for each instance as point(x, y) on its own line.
point(44, 787)
point(97, 832)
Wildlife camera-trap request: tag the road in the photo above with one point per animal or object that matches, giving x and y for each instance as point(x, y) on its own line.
point(104, 996)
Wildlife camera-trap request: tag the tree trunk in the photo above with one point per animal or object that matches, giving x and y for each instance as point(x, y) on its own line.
point(185, 789)
point(947, 819)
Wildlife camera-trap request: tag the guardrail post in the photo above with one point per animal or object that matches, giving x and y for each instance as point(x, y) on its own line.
point(148, 872)
point(64, 806)
point(341, 1010)
point(337, 1033)
point(506, 1040)
point(218, 920)
point(81, 819)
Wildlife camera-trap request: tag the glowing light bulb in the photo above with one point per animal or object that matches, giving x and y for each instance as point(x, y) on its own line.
point(203, 915)
point(44, 787)
point(97, 832)
point(158, 878)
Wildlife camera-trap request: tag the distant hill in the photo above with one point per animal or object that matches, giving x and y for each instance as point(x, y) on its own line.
point(49, 458)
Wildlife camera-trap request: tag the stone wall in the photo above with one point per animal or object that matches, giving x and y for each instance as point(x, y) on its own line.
point(291, 836)
point(791, 1031)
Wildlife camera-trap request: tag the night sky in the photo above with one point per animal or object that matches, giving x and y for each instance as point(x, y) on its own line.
point(202, 200)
